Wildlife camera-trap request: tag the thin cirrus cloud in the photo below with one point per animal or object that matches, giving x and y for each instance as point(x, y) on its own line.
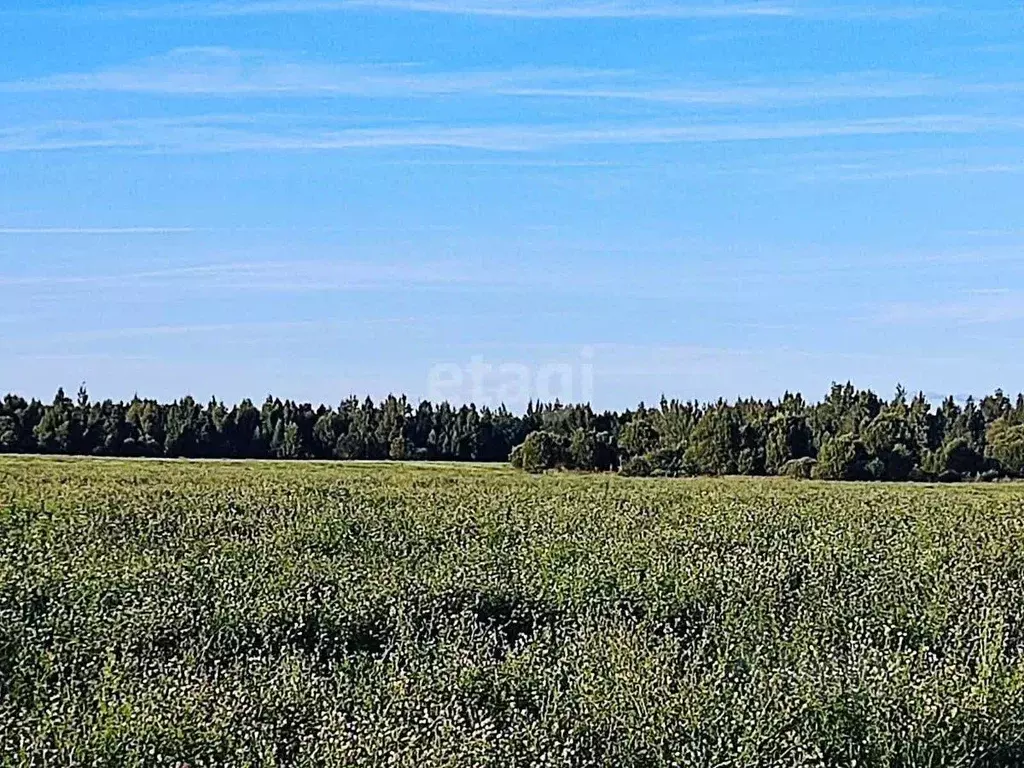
point(185, 330)
point(218, 71)
point(303, 276)
point(976, 308)
point(311, 277)
point(226, 72)
point(105, 231)
point(250, 133)
point(955, 170)
point(518, 9)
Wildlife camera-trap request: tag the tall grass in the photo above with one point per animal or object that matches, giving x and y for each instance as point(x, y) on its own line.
point(258, 615)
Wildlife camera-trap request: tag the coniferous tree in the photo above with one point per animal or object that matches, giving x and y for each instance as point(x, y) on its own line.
point(850, 434)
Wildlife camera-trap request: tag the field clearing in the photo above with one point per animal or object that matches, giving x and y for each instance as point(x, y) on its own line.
point(421, 615)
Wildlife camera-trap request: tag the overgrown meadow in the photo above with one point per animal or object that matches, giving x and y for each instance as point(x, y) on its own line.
point(370, 615)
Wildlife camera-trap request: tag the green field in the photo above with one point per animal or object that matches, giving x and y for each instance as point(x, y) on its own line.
point(298, 614)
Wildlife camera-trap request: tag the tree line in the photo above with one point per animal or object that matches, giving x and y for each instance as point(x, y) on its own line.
point(851, 434)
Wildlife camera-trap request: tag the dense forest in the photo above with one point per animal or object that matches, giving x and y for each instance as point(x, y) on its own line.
point(851, 434)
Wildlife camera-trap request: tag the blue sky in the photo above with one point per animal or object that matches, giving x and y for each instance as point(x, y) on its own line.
point(325, 197)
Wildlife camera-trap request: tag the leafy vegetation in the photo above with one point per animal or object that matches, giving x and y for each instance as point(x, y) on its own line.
point(851, 435)
point(156, 613)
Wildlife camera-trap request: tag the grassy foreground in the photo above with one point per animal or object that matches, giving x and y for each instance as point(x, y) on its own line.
point(241, 614)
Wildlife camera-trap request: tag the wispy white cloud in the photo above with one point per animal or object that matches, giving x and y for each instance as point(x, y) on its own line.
point(953, 169)
point(853, 170)
point(978, 307)
point(247, 133)
point(188, 329)
point(998, 49)
point(94, 230)
point(858, 165)
point(988, 232)
point(520, 9)
point(532, 9)
point(223, 329)
point(989, 292)
point(228, 72)
point(278, 276)
point(528, 9)
point(113, 134)
point(653, 9)
point(92, 357)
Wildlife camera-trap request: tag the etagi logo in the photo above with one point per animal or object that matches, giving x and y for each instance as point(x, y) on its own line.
point(494, 383)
